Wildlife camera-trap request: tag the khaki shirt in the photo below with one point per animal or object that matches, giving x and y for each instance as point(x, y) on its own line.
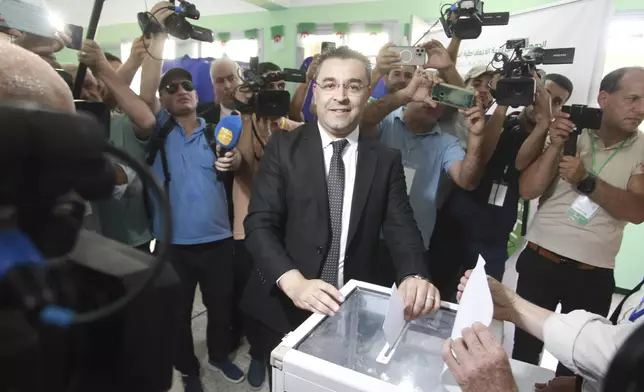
point(598, 242)
point(251, 151)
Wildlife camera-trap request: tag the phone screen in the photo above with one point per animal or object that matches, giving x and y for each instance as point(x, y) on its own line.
point(76, 34)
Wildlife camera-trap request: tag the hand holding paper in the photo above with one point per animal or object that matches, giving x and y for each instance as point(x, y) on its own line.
point(475, 301)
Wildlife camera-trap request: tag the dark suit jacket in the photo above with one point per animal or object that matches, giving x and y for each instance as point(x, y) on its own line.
point(287, 226)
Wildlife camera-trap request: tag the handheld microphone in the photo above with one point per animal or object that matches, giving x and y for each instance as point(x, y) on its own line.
point(227, 135)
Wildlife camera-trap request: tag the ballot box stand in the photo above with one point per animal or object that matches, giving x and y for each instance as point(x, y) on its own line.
point(344, 353)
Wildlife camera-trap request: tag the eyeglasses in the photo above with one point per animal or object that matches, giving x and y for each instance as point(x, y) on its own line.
point(353, 88)
point(174, 87)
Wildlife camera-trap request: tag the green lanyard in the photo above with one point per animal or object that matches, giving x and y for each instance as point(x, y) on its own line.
point(607, 160)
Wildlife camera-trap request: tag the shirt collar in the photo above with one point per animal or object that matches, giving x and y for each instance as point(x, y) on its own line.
point(398, 113)
point(326, 139)
point(224, 111)
point(627, 142)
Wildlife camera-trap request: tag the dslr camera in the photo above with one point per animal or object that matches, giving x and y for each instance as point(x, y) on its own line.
point(517, 86)
point(264, 102)
point(465, 19)
point(176, 24)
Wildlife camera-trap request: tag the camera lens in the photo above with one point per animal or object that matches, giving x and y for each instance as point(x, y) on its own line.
point(441, 94)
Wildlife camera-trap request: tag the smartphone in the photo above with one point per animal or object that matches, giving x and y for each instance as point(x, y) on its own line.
point(410, 55)
point(327, 46)
point(454, 96)
point(76, 34)
point(584, 117)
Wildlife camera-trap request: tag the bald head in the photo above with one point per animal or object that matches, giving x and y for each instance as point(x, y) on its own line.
point(226, 76)
point(24, 76)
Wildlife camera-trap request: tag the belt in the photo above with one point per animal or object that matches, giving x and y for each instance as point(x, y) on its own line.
point(559, 259)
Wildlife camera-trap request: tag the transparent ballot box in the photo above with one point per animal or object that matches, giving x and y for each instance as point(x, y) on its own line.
point(345, 352)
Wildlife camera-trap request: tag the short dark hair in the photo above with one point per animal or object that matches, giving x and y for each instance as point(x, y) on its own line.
point(345, 53)
point(561, 80)
point(266, 67)
point(110, 57)
point(612, 82)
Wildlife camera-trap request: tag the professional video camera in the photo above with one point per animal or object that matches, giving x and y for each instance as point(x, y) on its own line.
point(517, 86)
point(176, 24)
point(263, 102)
point(79, 312)
point(583, 117)
point(465, 19)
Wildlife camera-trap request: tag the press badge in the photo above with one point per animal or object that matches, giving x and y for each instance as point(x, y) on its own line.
point(497, 194)
point(582, 210)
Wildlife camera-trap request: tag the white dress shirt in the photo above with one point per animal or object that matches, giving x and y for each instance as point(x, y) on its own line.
point(350, 159)
point(224, 112)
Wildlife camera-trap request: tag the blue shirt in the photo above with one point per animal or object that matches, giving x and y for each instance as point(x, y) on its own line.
point(197, 198)
point(424, 157)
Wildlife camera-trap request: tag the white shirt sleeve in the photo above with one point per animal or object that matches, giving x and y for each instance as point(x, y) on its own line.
point(584, 342)
point(120, 190)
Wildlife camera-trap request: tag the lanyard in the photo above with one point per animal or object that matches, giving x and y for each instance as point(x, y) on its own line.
point(608, 159)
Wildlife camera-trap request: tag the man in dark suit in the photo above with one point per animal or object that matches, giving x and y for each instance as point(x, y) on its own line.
point(320, 198)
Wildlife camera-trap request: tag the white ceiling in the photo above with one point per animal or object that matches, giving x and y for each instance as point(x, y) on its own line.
point(124, 11)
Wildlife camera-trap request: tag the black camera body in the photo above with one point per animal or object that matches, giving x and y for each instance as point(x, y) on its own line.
point(263, 102)
point(465, 19)
point(517, 86)
point(176, 24)
point(584, 117)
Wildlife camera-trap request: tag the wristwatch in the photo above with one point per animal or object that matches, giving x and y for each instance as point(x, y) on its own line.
point(587, 185)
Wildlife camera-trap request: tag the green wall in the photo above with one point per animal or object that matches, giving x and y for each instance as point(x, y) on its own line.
point(630, 265)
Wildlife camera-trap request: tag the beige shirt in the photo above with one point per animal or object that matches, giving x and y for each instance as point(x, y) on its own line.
point(251, 151)
point(597, 242)
point(586, 343)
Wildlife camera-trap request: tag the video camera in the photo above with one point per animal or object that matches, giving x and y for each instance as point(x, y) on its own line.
point(176, 24)
point(517, 86)
point(263, 102)
point(465, 19)
point(583, 117)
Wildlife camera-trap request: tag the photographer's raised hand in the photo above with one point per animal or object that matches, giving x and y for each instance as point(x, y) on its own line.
point(161, 11)
point(420, 87)
point(437, 56)
point(92, 55)
point(386, 59)
point(475, 116)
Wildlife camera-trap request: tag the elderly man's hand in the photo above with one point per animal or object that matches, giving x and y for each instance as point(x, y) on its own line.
point(230, 161)
point(478, 362)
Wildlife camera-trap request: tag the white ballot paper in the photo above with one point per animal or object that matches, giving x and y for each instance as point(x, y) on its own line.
point(393, 326)
point(475, 304)
point(395, 318)
point(476, 301)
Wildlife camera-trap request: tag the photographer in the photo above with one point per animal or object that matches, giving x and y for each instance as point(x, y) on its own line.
point(124, 217)
point(202, 247)
point(482, 219)
point(586, 200)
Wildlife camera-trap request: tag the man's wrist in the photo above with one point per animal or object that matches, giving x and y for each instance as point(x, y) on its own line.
point(289, 280)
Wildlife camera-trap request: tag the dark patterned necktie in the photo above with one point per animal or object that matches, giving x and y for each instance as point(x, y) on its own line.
point(335, 189)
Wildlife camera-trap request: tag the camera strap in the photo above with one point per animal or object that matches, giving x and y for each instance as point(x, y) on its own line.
point(209, 133)
point(156, 145)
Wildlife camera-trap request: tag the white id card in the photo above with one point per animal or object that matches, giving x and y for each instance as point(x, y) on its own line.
point(410, 172)
point(582, 210)
point(497, 194)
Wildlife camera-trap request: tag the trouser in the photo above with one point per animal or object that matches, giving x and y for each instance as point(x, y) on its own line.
point(545, 284)
point(448, 261)
point(211, 266)
point(270, 340)
point(241, 323)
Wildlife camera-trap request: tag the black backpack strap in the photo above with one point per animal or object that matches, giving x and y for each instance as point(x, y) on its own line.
point(157, 144)
point(613, 317)
point(209, 133)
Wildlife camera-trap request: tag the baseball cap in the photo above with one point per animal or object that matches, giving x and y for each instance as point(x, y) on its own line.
point(477, 71)
point(173, 74)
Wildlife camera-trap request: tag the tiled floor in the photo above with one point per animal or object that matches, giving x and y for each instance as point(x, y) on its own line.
point(214, 382)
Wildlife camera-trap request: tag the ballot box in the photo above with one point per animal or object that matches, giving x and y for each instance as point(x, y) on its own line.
point(345, 352)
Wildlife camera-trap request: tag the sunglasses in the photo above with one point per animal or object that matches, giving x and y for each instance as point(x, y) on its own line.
point(174, 87)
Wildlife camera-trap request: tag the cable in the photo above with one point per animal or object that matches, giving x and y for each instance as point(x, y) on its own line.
point(163, 254)
point(152, 15)
point(426, 32)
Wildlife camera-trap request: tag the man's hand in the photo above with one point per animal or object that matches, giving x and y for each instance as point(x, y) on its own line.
point(560, 129)
point(437, 55)
point(161, 11)
point(314, 295)
point(138, 51)
point(310, 72)
point(558, 384)
point(229, 162)
point(386, 59)
point(504, 299)
point(475, 116)
point(420, 87)
point(92, 55)
point(421, 297)
point(572, 169)
point(478, 362)
point(43, 46)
